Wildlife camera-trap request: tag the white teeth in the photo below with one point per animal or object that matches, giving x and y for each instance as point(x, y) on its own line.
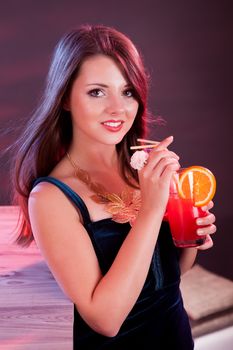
point(112, 124)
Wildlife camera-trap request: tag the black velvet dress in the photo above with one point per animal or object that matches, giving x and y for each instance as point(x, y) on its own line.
point(158, 320)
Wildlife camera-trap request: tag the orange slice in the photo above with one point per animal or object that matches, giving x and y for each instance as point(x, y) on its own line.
point(203, 185)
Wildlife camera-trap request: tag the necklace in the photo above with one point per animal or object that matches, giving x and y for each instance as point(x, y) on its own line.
point(123, 208)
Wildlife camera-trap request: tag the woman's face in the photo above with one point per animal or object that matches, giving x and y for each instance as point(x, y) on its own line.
point(101, 102)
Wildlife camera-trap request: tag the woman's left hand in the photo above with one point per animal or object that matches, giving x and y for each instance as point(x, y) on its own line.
point(210, 228)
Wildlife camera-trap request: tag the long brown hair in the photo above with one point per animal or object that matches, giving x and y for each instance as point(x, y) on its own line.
point(49, 132)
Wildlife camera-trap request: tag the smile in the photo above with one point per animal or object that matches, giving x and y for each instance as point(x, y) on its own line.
point(112, 125)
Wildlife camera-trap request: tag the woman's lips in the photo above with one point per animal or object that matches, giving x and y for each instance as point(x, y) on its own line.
point(113, 125)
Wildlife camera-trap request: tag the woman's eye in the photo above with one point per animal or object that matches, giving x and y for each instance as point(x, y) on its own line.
point(129, 93)
point(96, 93)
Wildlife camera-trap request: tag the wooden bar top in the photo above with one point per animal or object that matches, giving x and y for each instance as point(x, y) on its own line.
point(34, 312)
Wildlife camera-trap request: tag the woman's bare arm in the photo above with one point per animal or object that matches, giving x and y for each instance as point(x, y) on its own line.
point(103, 301)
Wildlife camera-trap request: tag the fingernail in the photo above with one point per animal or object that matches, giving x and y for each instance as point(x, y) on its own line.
point(199, 221)
point(200, 231)
point(169, 138)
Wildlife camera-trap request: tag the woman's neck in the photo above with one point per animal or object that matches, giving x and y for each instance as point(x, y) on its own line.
point(91, 157)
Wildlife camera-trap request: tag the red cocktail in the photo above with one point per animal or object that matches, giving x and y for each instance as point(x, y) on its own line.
point(182, 217)
point(190, 189)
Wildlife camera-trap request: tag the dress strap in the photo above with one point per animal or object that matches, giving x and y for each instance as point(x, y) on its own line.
point(73, 196)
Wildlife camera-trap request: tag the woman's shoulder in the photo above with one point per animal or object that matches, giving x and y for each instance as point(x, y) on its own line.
point(45, 199)
point(43, 194)
point(43, 189)
point(48, 186)
point(55, 188)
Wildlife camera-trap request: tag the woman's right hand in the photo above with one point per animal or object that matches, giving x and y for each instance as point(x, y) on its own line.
point(155, 177)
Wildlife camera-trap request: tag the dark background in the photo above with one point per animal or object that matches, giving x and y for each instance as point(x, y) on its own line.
point(187, 48)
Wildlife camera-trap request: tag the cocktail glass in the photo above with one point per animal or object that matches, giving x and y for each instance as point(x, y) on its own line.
point(182, 215)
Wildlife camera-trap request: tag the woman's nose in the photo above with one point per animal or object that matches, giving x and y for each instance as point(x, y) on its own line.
point(115, 105)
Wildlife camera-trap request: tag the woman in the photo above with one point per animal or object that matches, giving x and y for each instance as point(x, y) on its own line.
point(98, 222)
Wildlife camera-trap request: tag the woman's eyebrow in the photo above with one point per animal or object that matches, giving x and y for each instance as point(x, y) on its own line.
point(104, 85)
